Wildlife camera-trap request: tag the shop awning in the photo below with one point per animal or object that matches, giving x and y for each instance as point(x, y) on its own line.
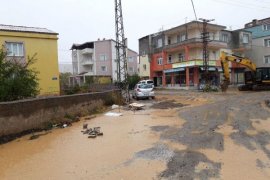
point(209, 68)
point(174, 70)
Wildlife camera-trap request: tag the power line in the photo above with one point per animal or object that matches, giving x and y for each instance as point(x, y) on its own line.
point(248, 4)
point(240, 5)
point(194, 10)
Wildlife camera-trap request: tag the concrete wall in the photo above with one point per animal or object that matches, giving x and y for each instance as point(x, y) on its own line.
point(19, 116)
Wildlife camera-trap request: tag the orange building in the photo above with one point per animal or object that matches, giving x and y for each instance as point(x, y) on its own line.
point(176, 55)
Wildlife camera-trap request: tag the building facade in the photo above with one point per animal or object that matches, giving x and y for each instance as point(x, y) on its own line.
point(144, 57)
point(22, 42)
point(176, 55)
point(98, 59)
point(260, 53)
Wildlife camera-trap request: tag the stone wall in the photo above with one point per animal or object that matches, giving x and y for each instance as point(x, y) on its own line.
point(20, 116)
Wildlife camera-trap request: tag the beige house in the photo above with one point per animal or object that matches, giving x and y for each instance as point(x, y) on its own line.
point(144, 67)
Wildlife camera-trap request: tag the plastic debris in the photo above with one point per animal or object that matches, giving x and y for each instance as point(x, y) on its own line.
point(113, 114)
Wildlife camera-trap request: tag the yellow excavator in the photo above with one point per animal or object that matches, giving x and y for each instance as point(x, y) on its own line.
point(255, 78)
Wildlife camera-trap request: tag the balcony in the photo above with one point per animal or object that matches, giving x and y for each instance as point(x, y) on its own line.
point(87, 51)
point(197, 42)
point(87, 62)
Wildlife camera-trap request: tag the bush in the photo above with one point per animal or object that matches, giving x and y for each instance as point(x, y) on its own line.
point(133, 80)
point(17, 79)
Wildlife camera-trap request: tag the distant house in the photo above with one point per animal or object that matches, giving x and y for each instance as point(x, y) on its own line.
point(97, 59)
point(260, 53)
point(21, 42)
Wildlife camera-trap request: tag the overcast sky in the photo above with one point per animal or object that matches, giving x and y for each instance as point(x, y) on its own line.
point(78, 21)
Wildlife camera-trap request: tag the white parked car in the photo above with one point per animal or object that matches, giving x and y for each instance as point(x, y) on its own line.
point(146, 82)
point(143, 91)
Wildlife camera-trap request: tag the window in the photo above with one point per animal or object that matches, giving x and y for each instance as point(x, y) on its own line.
point(159, 43)
point(103, 68)
point(266, 27)
point(169, 40)
point(103, 57)
point(267, 42)
point(160, 61)
point(15, 49)
point(267, 59)
point(224, 38)
point(130, 59)
point(181, 37)
point(170, 59)
point(245, 38)
point(181, 57)
point(212, 35)
point(131, 69)
point(143, 53)
point(144, 67)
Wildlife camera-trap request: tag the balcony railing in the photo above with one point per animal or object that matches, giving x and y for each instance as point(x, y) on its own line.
point(87, 51)
point(87, 62)
point(212, 43)
point(196, 40)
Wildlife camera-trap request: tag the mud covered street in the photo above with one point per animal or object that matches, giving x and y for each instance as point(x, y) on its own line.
point(179, 135)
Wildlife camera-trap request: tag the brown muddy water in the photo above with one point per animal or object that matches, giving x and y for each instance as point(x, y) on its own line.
point(68, 154)
point(198, 136)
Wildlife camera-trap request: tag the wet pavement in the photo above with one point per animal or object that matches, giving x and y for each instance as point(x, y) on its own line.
point(179, 135)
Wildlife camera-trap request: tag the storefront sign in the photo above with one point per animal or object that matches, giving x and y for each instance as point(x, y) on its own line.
point(174, 70)
point(193, 63)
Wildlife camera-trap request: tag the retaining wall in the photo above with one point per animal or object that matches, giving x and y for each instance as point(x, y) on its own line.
point(19, 116)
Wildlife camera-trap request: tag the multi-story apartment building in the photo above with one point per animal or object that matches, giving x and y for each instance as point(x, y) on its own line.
point(260, 53)
point(22, 42)
point(176, 55)
point(98, 59)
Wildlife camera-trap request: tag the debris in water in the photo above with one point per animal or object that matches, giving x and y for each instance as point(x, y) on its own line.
point(92, 132)
point(113, 114)
point(85, 126)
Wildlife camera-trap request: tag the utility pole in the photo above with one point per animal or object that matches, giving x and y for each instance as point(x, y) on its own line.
point(205, 40)
point(121, 52)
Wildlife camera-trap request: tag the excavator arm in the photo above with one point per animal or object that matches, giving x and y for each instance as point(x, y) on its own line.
point(225, 59)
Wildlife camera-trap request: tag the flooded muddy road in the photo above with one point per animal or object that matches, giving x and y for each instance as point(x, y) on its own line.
point(180, 135)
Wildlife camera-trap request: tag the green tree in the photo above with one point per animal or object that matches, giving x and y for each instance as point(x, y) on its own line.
point(133, 80)
point(17, 80)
